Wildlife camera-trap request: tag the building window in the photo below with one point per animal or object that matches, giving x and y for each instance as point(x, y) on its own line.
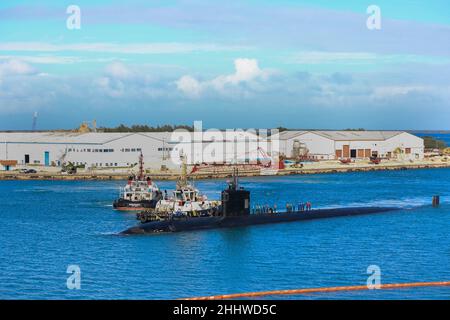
point(407, 150)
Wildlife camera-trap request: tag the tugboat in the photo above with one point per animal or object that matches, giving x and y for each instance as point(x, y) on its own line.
point(234, 211)
point(186, 201)
point(140, 193)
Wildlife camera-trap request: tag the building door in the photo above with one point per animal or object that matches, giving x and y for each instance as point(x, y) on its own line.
point(338, 154)
point(360, 153)
point(367, 153)
point(7, 168)
point(346, 150)
point(353, 153)
point(27, 159)
point(47, 158)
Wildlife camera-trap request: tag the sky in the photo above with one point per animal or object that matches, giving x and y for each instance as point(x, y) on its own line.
point(231, 64)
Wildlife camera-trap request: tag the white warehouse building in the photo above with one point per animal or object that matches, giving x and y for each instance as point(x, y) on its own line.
point(89, 149)
point(326, 144)
point(112, 150)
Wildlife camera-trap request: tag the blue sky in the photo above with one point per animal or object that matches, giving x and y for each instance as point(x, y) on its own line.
point(299, 64)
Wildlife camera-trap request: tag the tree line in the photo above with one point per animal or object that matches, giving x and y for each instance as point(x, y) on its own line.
point(146, 128)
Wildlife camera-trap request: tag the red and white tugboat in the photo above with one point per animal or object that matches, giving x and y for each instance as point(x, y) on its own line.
point(186, 201)
point(140, 193)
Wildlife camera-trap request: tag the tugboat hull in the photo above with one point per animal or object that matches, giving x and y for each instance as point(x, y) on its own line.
point(127, 205)
point(202, 223)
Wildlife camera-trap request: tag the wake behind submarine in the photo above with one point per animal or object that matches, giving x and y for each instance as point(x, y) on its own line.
point(234, 211)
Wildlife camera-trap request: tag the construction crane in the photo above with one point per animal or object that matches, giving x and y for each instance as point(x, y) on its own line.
point(84, 127)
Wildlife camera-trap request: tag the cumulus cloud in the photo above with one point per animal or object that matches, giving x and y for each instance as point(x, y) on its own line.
point(246, 71)
point(15, 67)
point(189, 86)
point(120, 80)
point(118, 69)
point(249, 89)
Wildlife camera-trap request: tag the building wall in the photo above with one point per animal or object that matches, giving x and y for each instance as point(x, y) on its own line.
point(325, 148)
point(405, 141)
point(117, 153)
point(35, 151)
point(124, 150)
point(369, 147)
point(411, 147)
point(319, 147)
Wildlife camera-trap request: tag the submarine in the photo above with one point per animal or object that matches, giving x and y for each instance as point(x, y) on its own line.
point(234, 211)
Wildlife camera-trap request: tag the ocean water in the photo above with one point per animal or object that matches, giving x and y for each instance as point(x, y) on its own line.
point(45, 226)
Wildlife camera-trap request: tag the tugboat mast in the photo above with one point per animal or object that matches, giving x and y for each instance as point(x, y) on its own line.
point(183, 177)
point(141, 167)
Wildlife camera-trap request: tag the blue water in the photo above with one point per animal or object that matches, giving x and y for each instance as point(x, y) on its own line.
point(47, 225)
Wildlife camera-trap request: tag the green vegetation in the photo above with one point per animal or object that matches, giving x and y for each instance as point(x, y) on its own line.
point(146, 128)
point(433, 143)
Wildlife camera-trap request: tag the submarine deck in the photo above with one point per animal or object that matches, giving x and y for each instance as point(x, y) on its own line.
point(213, 222)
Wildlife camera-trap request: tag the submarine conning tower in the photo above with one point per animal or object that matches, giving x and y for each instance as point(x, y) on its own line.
point(235, 200)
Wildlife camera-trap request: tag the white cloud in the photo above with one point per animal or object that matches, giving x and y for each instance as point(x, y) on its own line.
point(49, 59)
point(15, 67)
point(387, 91)
point(189, 86)
point(324, 57)
point(118, 70)
point(129, 48)
point(246, 71)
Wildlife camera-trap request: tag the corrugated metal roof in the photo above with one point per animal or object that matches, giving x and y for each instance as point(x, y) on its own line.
point(102, 138)
point(60, 137)
point(357, 135)
point(343, 135)
point(285, 135)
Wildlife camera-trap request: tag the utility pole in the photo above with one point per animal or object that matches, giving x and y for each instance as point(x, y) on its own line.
point(35, 115)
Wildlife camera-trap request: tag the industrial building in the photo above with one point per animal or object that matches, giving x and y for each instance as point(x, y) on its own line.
point(118, 150)
point(327, 145)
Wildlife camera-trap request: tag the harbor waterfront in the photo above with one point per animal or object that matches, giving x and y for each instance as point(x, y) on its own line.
point(307, 168)
point(48, 225)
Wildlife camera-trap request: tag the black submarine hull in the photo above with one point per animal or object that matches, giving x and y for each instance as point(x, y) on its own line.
point(214, 222)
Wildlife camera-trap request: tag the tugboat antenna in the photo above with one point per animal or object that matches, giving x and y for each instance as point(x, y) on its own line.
point(183, 177)
point(141, 167)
